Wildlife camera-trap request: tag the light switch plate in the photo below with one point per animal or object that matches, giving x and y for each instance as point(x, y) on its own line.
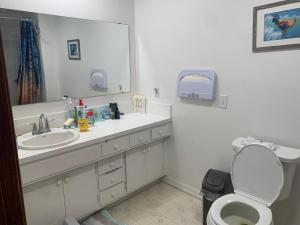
point(223, 101)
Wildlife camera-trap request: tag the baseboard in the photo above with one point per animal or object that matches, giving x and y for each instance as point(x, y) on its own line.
point(183, 187)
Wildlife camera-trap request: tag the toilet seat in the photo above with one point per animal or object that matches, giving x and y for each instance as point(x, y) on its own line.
point(265, 214)
point(257, 177)
point(257, 173)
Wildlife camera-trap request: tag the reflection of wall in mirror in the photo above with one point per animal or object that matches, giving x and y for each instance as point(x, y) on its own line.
point(103, 45)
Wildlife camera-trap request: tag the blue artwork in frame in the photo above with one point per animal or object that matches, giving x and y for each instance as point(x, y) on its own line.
point(276, 26)
point(74, 49)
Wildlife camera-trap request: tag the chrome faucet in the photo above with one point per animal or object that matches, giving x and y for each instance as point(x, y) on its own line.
point(44, 126)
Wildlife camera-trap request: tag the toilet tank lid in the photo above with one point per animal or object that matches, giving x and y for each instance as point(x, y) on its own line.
point(257, 173)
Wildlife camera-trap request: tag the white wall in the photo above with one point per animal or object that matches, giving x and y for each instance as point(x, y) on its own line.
point(50, 56)
point(263, 89)
point(105, 10)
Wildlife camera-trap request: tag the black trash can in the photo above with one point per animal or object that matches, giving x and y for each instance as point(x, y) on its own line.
point(214, 185)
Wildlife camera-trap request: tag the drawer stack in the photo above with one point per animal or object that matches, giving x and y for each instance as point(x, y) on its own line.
point(112, 179)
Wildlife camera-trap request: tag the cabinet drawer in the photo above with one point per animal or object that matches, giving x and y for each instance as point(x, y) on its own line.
point(111, 164)
point(109, 179)
point(58, 164)
point(115, 145)
point(112, 194)
point(161, 131)
point(140, 138)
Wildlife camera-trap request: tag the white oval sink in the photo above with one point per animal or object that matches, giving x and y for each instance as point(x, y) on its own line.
point(56, 138)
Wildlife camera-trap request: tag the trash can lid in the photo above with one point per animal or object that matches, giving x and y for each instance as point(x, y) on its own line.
point(214, 181)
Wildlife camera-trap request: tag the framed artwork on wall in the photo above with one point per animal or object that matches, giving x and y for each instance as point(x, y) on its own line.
point(276, 26)
point(74, 49)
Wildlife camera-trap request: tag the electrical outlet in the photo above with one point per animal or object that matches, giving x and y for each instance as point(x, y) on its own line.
point(223, 101)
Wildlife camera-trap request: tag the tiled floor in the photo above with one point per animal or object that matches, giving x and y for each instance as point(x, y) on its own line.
point(161, 204)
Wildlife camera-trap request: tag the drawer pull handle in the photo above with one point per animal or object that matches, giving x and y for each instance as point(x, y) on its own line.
point(111, 165)
point(116, 147)
point(59, 183)
point(112, 180)
point(160, 133)
point(140, 139)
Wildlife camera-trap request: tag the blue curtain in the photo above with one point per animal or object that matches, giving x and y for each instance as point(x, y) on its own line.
point(30, 72)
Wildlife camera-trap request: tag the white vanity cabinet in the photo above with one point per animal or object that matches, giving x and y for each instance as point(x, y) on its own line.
point(44, 202)
point(154, 161)
point(73, 194)
point(81, 191)
point(144, 165)
point(83, 179)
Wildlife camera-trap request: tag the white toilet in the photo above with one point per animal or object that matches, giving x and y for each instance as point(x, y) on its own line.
point(258, 177)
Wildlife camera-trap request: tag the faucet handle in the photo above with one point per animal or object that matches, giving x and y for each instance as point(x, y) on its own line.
point(47, 127)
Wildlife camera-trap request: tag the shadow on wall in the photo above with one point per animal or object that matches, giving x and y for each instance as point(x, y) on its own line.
point(292, 215)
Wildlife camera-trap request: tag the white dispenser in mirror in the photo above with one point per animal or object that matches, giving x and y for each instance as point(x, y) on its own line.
point(197, 84)
point(98, 79)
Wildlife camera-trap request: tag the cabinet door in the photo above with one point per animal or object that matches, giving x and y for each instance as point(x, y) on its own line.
point(155, 160)
point(44, 202)
point(136, 169)
point(81, 191)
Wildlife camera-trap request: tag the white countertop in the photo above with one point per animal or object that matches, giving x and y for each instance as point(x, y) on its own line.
point(102, 131)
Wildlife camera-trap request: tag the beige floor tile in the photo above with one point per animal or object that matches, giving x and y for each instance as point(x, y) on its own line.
point(161, 204)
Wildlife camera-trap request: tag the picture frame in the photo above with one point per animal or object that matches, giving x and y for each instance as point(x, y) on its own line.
point(74, 49)
point(276, 26)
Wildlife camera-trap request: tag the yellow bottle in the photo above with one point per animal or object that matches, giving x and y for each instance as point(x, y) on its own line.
point(83, 124)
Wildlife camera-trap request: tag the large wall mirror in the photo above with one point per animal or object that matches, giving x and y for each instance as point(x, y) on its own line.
point(48, 57)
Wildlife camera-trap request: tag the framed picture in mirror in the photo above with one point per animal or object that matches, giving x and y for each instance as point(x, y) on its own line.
point(74, 49)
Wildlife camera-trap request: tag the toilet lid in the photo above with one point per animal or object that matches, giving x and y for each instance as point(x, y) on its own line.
point(257, 173)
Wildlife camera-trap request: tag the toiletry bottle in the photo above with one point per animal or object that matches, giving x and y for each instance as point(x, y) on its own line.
point(90, 116)
point(136, 103)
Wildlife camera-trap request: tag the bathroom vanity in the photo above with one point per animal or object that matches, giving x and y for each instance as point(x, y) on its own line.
point(113, 159)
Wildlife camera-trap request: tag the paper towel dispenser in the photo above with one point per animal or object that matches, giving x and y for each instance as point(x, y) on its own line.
point(197, 84)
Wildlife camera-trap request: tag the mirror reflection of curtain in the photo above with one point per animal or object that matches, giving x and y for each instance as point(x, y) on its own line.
point(30, 72)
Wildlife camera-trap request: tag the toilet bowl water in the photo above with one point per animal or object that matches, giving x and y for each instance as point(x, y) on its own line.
point(236, 213)
point(237, 220)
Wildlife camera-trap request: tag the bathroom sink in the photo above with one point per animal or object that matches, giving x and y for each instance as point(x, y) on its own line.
point(58, 137)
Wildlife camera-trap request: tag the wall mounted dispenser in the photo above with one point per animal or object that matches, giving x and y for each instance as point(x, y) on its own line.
point(197, 84)
point(98, 79)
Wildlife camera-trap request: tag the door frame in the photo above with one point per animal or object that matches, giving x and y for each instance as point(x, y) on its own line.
point(12, 211)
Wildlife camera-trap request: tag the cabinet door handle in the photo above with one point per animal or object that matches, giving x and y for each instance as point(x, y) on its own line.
point(116, 147)
point(160, 133)
point(67, 180)
point(140, 139)
point(59, 183)
point(112, 180)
